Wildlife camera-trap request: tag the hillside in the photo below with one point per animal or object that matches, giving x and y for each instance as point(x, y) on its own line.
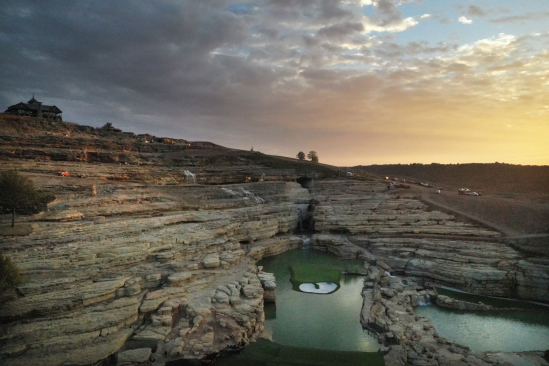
point(515, 199)
point(503, 178)
point(116, 155)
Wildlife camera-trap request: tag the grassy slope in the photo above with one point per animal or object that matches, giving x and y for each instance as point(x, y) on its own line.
point(483, 177)
point(15, 130)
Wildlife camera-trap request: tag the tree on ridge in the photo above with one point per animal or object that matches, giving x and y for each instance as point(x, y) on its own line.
point(301, 155)
point(313, 156)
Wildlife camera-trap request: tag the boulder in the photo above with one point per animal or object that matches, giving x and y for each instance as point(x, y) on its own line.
point(134, 355)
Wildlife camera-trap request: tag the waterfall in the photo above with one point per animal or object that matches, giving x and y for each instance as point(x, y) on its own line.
point(229, 191)
point(305, 243)
point(249, 194)
point(424, 300)
point(190, 175)
point(243, 193)
point(299, 220)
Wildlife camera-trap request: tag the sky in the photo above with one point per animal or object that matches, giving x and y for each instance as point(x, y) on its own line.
point(358, 81)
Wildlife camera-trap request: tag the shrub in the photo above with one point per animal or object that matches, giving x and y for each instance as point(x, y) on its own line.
point(18, 195)
point(9, 274)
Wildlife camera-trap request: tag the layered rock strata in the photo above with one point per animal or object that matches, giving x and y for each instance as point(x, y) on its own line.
point(414, 240)
point(139, 266)
point(120, 265)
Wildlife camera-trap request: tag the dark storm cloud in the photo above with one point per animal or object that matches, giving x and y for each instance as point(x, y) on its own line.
point(131, 48)
point(340, 30)
point(178, 58)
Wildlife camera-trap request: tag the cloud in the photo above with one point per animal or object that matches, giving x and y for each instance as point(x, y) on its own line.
point(465, 20)
point(340, 30)
point(273, 71)
point(475, 11)
point(522, 17)
point(425, 16)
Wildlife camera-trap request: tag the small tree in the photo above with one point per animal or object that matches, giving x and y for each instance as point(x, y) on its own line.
point(17, 194)
point(301, 155)
point(9, 274)
point(312, 155)
point(107, 126)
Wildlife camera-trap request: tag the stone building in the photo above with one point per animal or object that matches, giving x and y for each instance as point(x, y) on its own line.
point(34, 108)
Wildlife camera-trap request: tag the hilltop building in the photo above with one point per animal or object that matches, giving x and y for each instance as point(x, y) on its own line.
point(34, 108)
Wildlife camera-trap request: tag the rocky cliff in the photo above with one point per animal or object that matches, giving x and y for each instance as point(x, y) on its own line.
point(150, 245)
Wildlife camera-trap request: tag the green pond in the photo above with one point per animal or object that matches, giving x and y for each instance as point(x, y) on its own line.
point(316, 306)
point(490, 331)
point(267, 353)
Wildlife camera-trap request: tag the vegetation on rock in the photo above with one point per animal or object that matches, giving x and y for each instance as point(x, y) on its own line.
point(9, 274)
point(310, 273)
point(18, 195)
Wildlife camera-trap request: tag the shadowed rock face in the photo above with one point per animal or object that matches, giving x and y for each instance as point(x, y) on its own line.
point(132, 257)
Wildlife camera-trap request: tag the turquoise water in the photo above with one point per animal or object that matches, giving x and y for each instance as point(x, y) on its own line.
point(509, 331)
point(497, 302)
point(322, 321)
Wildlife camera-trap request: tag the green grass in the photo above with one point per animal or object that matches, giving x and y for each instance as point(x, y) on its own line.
point(267, 353)
point(310, 273)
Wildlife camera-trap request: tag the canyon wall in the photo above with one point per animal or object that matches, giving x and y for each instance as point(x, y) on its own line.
point(149, 248)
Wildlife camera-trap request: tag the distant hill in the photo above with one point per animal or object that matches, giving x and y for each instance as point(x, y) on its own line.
point(59, 146)
point(493, 177)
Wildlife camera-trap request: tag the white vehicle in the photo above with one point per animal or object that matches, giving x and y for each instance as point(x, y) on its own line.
point(437, 191)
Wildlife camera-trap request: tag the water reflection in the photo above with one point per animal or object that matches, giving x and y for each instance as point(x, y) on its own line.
point(319, 288)
point(329, 321)
point(508, 331)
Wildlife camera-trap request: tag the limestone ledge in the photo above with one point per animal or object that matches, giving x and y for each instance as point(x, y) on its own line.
point(412, 339)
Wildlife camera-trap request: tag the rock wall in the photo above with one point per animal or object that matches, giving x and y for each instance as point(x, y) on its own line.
point(138, 260)
point(410, 238)
point(139, 266)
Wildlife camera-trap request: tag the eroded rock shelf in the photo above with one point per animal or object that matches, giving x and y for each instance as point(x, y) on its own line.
point(135, 260)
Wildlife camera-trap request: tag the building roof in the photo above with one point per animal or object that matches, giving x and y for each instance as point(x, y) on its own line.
point(33, 105)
